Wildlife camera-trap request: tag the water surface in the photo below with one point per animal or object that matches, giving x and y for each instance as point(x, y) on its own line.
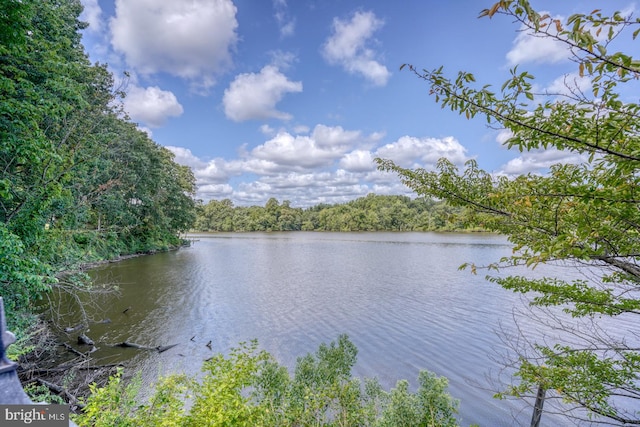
point(399, 296)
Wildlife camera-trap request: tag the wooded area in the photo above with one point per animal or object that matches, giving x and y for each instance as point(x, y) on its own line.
point(79, 181)
point(370, 213)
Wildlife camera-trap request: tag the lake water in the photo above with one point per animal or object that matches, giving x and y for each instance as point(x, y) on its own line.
point(399, 296)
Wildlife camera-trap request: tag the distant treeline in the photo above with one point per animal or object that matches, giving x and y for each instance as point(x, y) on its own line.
point(370, 213)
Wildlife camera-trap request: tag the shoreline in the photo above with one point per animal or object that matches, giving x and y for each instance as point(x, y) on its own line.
point(49, 365)
point(84, 266)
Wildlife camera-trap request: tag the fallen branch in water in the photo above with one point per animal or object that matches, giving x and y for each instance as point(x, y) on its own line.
point(163, 348)
point(126, 344)
point(159, 349)
point(73, 350)
point(85, 340)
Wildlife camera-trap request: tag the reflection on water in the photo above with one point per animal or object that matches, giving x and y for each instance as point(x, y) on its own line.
point(399, 296)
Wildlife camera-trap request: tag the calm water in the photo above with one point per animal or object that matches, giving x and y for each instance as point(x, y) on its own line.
point(399, 296)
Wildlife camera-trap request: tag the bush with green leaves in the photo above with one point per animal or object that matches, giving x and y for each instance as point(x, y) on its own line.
point(248, 387)
point(23, 278)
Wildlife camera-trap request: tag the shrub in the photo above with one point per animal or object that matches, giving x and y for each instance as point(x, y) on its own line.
point(249, 388)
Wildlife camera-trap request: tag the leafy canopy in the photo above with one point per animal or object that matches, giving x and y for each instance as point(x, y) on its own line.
point(79, 181)
point(583, 214)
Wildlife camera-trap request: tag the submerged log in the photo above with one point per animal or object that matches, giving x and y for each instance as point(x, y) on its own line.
point(127, 344)
point(159, 349)
point(74, 328)
point(85, 340)
point(73, 350)
point(163, 348)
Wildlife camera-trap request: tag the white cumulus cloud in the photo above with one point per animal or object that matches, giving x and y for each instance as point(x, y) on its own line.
point(92, 14)
point(348, 47)
point(411, 151)
point(294, 151)
point(184, 156)
point(319, 149)
point(151, 105)
point(568, 84)
point(539, 161)
point(215, 172)
point(529, 48)
point(214, 191)
point(189, 39)
point(504, 135)
point(334, 136)
point(254, 96)
point(358, 161)
point(326, 164)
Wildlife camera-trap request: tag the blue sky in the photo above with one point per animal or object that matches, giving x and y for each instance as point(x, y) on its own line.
point(293, 99)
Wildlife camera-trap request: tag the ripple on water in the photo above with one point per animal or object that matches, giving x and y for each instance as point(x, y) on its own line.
point(399, 296)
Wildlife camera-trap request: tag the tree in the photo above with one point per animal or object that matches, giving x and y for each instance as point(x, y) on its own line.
point(135, 189)
point(76, 174)
point(216, 216)
point(49, 94)
point(50, 97)
point(370, 213)
point(585, 215)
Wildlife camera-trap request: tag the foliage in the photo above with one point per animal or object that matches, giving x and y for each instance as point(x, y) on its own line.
point(113, 405)
point(79, 181)
point(39, 393)
point(19, 348)
point(220, 399)
point(583, 214)
point(22, 276)
point(430, 406)
point(249, 388)
point(370, 213)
